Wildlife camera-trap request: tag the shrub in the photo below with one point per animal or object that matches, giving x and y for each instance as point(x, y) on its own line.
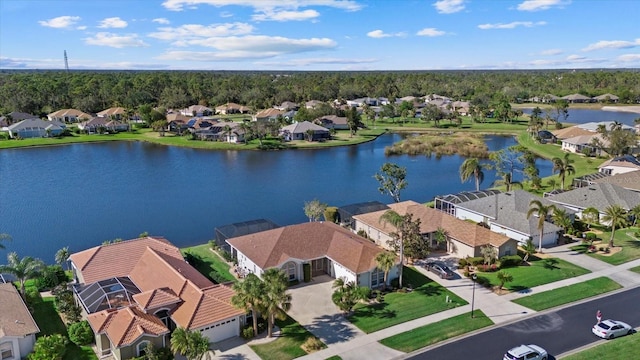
point(213, 245)
point(395, 283)
point(601, 248)
point(51, 277)
point(607, 250)
point(462, 263)
point(32, 296)
point(227, 256)
point(312, 344)
point(331, 214)
point(590, 236)
point(247, 332)
point(216, 277)
point(80, 333)
point(475, 261)
point(510, 261)
point(363, 234)
point(51, 347)
point(466, 273)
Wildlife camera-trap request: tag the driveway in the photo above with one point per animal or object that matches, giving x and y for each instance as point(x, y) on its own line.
point(311, 307)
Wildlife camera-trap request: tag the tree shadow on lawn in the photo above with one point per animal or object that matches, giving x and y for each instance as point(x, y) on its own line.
point(378, 310)
point(551, 264)
point(331, 329)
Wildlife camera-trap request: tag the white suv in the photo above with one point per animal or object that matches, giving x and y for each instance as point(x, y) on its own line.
point(526, 352)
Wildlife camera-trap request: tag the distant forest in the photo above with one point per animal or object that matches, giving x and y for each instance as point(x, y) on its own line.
point(42, 92)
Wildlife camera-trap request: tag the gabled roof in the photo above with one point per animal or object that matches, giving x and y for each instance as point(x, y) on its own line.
point(622, 161)
point(576, 97)
point(112, 111)
point(599, 196)
point(629, 180)
point(606, 96)
point(15, 318)
point(593, 126)
point(307, 241)
point(69, 112)
point(156, 298)
point(268, 113)
point(204, 306)
point(124, 326)
point(586, 140)
point(34, 123)
point(303, 127)
point(335, 119)
point(572, 131)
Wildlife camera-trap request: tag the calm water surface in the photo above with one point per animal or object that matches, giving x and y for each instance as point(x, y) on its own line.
point(582, 116)
point(80, 195)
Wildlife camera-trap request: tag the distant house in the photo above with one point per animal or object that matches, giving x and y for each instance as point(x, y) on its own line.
point(117, 113)
point(619, 165)
point(599, 196)
point(232, 108)
point(548, 98)
point(68, 116)
point(585, 143)
point(287, 105)
point(321, 247)
point(576, 98)
point(227, 131)
point(268, 115)
point(363, 101)
point(197, 110)
point(312, 104)
point(32, 128)
point(138, 291)
point(607, 98)
point(14, 117)
point(17, 328)
point(304, 131)
point(240, 229)
point(98, 124)
point(332, 122)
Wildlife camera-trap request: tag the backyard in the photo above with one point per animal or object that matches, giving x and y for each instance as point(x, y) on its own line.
point(625, 238)
point(208, 263)
point(426, 298)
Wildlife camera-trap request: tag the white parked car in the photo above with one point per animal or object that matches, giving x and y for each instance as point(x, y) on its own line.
point(526, 352)
point(609, 329)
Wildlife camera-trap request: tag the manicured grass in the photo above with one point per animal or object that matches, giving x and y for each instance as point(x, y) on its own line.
point(209, 262)
point(288, 345)
point(442, 330)
point(567, 294)
point(635, 269)
point(335, 357)
point(624, 348)
point(427, 298)
point(488, 126)
point(539, 272)
point(624, 238)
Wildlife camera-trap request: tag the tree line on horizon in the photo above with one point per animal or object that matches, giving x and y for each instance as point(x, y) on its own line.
point(43, 92)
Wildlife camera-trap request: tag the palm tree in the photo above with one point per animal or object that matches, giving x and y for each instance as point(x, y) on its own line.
point(504, 277)
point(62, 256)
point(192, 344)
point(563, 167)
point(440, 235)
point(591, 215)
point(348, 294)
point(396, 221)
point(616, 216)
point(385, 261)
point(247, 297)
point(561, 219)
point(23, 269)
point(529, 249)
point(507, 181)
point(275, 301)
point(635, 212)
point(536, 207)
point(472, 167)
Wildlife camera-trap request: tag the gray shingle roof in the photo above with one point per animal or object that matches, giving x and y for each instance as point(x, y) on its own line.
point(599, 196)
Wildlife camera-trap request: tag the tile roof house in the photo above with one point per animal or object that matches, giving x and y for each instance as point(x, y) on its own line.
point(299, 131)
point(506, 213)
point(332, 122)
point(327, 248)
point(585, 143)
point(619, 165)
point(267, 115)
point(137, 291)
point(571, 131)
point(68, 116)
point(463, 238)
point(117, 113)
point(576, 98)
point(197, 110)
point(31, 128)
point(95, 124)
point(606, 98)
point(232, 108)
point(17, 328)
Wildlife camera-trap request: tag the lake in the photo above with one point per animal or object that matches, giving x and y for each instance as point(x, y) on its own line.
point(582, 116)
point(83, 194)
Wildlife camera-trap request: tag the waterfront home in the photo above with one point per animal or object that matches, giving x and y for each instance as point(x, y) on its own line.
point(68, 116)
point(570, 132)
point(311, 249)
point(268, 115)
point(14, 117)
point(32, 128)
point(599, 196)
point(619, 165)
point(228, 231)
point(592, 144)
point(197, 110)
point(227, 131)
point(304, 130)
point(137, 291)
point(463, 239)
point(17, 328)
point(97, 124)
point(606, 98)
point(332, 122)
point(117, 113)
point(577, 98)
point(232, 108)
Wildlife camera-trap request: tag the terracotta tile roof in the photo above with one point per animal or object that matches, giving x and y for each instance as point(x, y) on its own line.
point(156, 298)
point(306, 241)
point(15, 318)
point(124, 326)
point(205, 306)
point(269, 113)
point(118, 259)
point(69, 112)
point(112, 111)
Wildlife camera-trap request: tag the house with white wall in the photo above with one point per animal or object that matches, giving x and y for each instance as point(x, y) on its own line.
point(17, 328)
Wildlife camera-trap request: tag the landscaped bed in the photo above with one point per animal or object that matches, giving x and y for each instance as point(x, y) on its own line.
point(442, 330)
point(567, 294)
point(426, 298)
point(288, 345)
point(624, 238)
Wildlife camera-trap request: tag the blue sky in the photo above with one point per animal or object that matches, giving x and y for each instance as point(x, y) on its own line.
point(319, 34)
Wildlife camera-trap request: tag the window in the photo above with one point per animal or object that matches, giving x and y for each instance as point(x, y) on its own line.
point(141, 348)
point(291, 271)
point(6, 351)
point(377, 277)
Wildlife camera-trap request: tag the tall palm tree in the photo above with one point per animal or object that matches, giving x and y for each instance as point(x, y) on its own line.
point(635, 212)
point(192, 344)
point(385, 261)
point(561, 219)
point(537, 208)
point(591, 215)
point(62, 256)
point(563, 166)
point(275, 301)
point(247, 297)
point(616, 216)
point(507, 181)
point(396, 221)
point(472, 167)
point(529, 249)
point(23, 269)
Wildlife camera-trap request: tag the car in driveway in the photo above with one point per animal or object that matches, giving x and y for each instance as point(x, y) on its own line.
point(526, 352)
point(440, 269)
point(609, 329)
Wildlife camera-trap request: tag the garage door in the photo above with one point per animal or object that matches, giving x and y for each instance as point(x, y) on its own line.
point(222, 330)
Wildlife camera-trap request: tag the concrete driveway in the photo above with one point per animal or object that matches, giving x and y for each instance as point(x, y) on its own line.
point(311, 306)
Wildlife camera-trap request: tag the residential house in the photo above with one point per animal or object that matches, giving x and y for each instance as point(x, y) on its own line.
point(332, 122)
point(608, 125)
point(506, 213)
point(98, 124)
point(323, 248)
point(592, 144)
point(177, 123)
point(268, 115)
point(239, 229)
point(363, 101)
point(227, 131)
point(232, 108)
point(14, 117)
point(287, 106)
point(312, 104)
point(548, 98)
point(462, 107)
point(116, 113)
point(136, 292)
point(570, 132)
point(599, 196)
point(197, 110)
point(463, 239)
point(68, 116)
point(606, 98)
point(627, 180)
point(31, 128)
point(304, 131)
point(17, 328)
point(619, 165)
point(576, 98)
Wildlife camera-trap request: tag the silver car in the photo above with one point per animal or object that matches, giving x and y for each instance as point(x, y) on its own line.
point(609, 329)
point(526, 352)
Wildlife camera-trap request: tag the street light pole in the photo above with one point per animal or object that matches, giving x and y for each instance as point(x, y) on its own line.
point(473, 293)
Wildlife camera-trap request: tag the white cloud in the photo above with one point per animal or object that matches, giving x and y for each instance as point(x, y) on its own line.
point(629, 58)
point(551, 52)
point(431, 32)
point(449, 6)
point(263, 5)
point(511, 25)
point(114, 40)
point(286, 15)
point(112, 22)
point(378, 34)
point(225, 14)
point(538, 5)
point(83, 27)
point(188, 32)
point(163, 21)
point(614, 44)
point(60, 22)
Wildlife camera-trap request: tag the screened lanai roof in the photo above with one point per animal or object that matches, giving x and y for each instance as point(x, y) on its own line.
point(111, 293)
point(244, 228)
point(467, 196)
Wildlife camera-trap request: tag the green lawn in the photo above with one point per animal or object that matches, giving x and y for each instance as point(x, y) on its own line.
point(624, 348)
point(635, 269)
point(209, 262)
point(288, 345)
point(335, 357)
point(567, 294)
point(623, 237)
point(427, 298)
point(442, 330)
point(539, 272)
